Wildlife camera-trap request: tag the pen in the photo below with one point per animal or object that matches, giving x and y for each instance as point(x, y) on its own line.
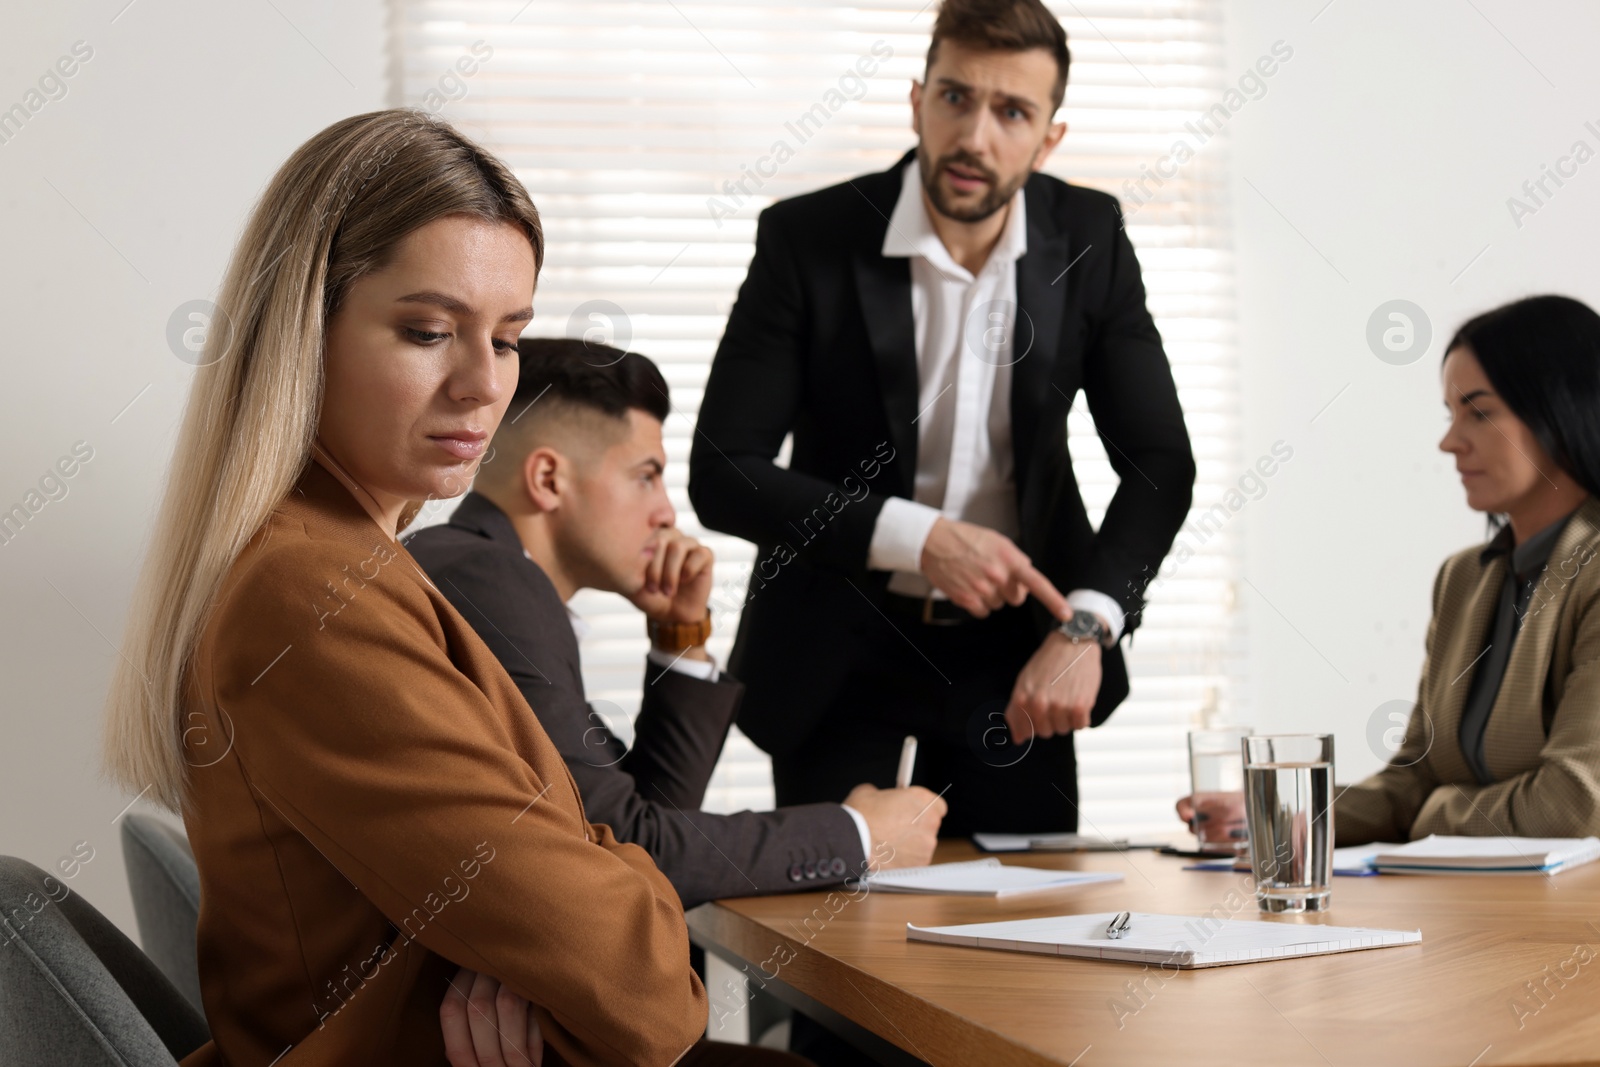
point(908, 760)
point(1119, 926)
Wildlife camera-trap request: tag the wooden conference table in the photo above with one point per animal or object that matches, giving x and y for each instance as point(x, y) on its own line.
point(1457, 999)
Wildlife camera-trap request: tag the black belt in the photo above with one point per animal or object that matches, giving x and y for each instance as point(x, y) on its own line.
point(930, 610)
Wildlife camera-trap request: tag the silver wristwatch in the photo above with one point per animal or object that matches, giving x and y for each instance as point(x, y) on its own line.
point(1085, 626)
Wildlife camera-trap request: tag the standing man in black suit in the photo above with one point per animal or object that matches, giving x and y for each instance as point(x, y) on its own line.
point(921, 334)
point(574, 498)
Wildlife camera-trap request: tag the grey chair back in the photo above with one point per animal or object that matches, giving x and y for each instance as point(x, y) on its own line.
point(166, 898)
point(74, 990)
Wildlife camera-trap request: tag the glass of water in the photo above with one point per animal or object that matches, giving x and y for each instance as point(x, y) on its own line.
point(1216, 788)
point(1288, 787)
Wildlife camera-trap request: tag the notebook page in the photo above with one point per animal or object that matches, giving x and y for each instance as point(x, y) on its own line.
point(1178, 940)
point(985, 877)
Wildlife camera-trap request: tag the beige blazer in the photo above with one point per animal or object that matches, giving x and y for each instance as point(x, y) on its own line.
point(1542, 741)
point(372, 803)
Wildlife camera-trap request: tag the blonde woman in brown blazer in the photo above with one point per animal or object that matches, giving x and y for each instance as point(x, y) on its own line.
point(371, 803)
point(1505, 735)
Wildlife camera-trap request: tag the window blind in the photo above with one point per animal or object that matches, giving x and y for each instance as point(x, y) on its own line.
point(651, 134)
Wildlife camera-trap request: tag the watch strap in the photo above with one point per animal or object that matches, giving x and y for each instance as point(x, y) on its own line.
point(678, 636)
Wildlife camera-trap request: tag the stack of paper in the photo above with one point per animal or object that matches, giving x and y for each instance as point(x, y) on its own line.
point(1488, 855)
point(1358, 859)
point(988, 877)
point(1180, 941)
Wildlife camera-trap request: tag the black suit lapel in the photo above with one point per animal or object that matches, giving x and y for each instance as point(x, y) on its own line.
point(885, 289)
point(883, 286)
point(1041, 294)
point(479, 515)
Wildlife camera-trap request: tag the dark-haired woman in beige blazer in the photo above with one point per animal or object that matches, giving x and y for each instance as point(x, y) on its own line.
point(1505, 735)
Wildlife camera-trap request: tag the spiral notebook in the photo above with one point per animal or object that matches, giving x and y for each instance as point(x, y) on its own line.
point(986, 877)
point(1182, 941)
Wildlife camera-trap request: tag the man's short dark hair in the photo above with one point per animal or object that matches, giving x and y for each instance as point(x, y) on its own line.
point(570, 372)
point(1003, 26)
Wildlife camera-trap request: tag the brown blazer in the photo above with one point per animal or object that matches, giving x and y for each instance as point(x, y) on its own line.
point(373, 803)
point(1542, 741)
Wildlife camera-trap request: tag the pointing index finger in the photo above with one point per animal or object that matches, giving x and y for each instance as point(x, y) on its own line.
point(1047, 594)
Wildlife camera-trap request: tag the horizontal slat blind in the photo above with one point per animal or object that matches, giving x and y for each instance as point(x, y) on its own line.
point(633, 125)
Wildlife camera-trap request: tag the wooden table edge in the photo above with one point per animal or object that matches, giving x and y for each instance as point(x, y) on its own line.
point(745, 943)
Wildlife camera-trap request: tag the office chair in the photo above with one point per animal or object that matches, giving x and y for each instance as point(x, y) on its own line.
point(74, 990)
point(166, 898)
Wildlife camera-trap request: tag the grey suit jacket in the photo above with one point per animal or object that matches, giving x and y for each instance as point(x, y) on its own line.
point(649, 794)
point(1542, 741)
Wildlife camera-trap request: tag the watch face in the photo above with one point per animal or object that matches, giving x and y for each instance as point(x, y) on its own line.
point(1082, 624)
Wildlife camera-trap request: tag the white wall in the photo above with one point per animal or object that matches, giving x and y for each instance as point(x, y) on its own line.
point(118, 202)
point(1391, 142)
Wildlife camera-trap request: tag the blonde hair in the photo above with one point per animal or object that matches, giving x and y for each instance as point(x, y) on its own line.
point(335, 212)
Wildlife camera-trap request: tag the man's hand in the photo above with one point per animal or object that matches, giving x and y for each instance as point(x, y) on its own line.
point(903, 823)
point(981, 570)
point(677, 584)
point(1056, 690)
point(485, 1024)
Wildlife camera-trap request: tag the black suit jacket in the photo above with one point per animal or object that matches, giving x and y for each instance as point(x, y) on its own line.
point(649, 794)
point(820, 344)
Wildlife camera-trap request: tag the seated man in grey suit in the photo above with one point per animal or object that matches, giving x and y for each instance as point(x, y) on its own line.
point(572, 498)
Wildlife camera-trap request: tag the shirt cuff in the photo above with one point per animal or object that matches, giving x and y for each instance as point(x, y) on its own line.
point(1102, 605)
point(899, 535)
point(861, 828)
point(694, 668)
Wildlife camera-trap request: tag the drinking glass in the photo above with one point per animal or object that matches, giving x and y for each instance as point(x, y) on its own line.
point(1216, 788)
point(1288, 790)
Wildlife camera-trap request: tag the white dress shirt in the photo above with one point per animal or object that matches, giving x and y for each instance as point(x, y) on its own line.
point(964, 333)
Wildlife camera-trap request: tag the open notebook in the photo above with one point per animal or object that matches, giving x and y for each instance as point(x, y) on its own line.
point(1436, 854)
point(986, 877)
point(1181, 941)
